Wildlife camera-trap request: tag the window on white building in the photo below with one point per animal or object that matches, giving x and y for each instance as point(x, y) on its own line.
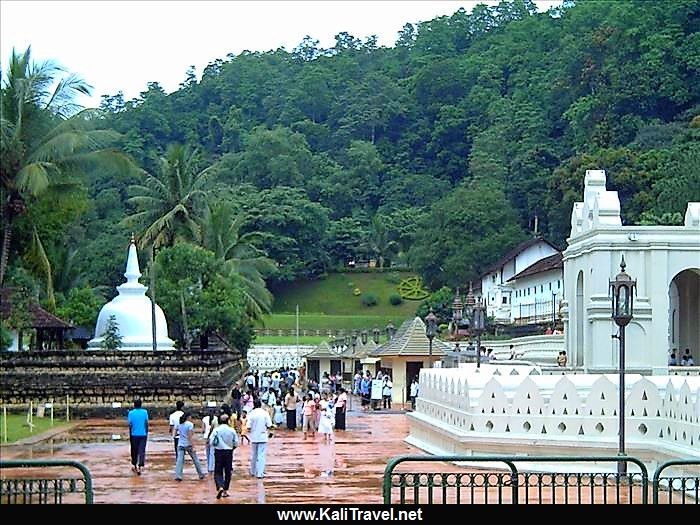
point(558, 283)
point(505, 300)
point(550, 286)
point(493, 278)
point(541, 288)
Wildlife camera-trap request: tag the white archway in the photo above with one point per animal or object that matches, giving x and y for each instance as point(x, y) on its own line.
point(684, 313)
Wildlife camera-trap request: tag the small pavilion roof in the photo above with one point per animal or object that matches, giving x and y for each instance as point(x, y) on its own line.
point(410, 340)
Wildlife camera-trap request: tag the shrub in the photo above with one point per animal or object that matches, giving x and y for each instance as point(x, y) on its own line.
point(350, 284)
point(395, 299)
point(369, 299)
point(393, 278)
point(356, 291)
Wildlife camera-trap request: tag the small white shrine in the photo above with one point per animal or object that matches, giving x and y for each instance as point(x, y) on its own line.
point(132, 312)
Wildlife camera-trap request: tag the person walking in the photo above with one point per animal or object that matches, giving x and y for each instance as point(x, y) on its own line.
point(325, 426)
point(290, 403)
point(138, 435)
point(186, 430)
point(236, 396)
point(259, 423)
point(224, 441)
point(174, 422)
point(340, 408)
point(414, 392)
point(209, 423)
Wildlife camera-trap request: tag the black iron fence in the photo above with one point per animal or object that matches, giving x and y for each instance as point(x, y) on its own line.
point(498, 479)
point(22, 487)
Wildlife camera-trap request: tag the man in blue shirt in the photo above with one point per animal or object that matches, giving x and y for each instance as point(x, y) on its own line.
point(138, 434)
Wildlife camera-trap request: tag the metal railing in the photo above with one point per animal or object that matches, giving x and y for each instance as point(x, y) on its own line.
point(23, 490)
point(476, 485)
point(686, 488)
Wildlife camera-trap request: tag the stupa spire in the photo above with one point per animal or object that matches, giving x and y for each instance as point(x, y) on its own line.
point(133, 272)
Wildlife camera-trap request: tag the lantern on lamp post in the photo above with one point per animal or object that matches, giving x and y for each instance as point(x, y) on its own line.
point(430, 332)
point(622, 292)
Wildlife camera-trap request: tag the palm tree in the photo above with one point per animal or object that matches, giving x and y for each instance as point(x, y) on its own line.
point(242, 260)
point(44, 143)
point(378, 243)
point(169, 203)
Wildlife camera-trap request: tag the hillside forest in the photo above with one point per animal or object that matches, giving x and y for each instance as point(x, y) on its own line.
point(438, 154)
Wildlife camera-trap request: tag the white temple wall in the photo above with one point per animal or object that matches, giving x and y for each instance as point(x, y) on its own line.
point(462, 411)
point(655, 255)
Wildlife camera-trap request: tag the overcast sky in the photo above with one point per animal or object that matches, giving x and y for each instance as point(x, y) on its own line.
point(123, 45)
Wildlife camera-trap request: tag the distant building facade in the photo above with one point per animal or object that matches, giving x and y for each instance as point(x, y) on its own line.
point(516, 289)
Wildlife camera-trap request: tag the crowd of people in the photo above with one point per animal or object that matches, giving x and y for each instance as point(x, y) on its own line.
point(675, 359)
point(259, 403)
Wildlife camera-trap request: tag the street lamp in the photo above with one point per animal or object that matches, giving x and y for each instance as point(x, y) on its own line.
point(375, 335)
point(364, 336)
point(478, 326)
point(457, 308)
point(430, 332)
point(353, 338)
point(622, 292)
point(390, 330)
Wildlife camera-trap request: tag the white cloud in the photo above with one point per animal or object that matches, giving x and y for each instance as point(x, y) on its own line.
point(123, 45)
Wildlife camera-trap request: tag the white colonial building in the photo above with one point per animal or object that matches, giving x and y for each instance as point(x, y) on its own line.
point(537, 291)
point(522, 261)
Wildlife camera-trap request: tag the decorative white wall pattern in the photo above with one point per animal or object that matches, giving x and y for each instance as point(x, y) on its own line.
point(502, 403)
point(272, 357)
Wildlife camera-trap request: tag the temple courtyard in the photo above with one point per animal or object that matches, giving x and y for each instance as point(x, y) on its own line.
point(298, 471)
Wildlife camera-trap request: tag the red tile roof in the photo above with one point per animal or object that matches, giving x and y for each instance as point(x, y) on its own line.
point(40, 317)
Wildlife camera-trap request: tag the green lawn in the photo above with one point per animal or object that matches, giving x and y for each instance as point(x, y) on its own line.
point(333, 295)
point(17, 427)
point(289, 340)
point(333, 322)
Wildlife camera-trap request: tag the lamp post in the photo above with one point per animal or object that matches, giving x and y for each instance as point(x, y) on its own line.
point(375, 335)
point(390, 331)
point(478, 326)
point(430, 331)
point(554, 310)
point(622, 292)
point(457, 308)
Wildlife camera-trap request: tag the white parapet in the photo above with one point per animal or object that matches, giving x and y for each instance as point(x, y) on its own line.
point(500, 410)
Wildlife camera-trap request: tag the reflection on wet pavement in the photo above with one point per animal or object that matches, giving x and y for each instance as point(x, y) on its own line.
point(297, 471)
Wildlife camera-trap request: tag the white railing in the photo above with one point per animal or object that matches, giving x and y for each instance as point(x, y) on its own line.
point(661, 412)
point(272, 357)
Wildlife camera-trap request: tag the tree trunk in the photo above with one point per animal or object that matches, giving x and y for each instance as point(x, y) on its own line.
point(185, 332)
point(6, 238)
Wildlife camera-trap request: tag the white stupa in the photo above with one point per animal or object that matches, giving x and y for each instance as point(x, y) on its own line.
point(132, 310)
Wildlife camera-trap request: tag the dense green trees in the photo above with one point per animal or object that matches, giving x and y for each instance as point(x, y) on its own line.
point(45, 150)
point(473, 128)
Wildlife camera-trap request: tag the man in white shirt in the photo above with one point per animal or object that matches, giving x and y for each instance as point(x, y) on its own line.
point(258, 424)
point(174, 421)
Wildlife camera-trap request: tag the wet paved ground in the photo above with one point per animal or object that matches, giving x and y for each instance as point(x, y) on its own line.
point(348, 471)
point(298, 471)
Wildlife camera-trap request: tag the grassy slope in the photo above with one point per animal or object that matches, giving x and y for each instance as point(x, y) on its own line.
point(334, 296)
